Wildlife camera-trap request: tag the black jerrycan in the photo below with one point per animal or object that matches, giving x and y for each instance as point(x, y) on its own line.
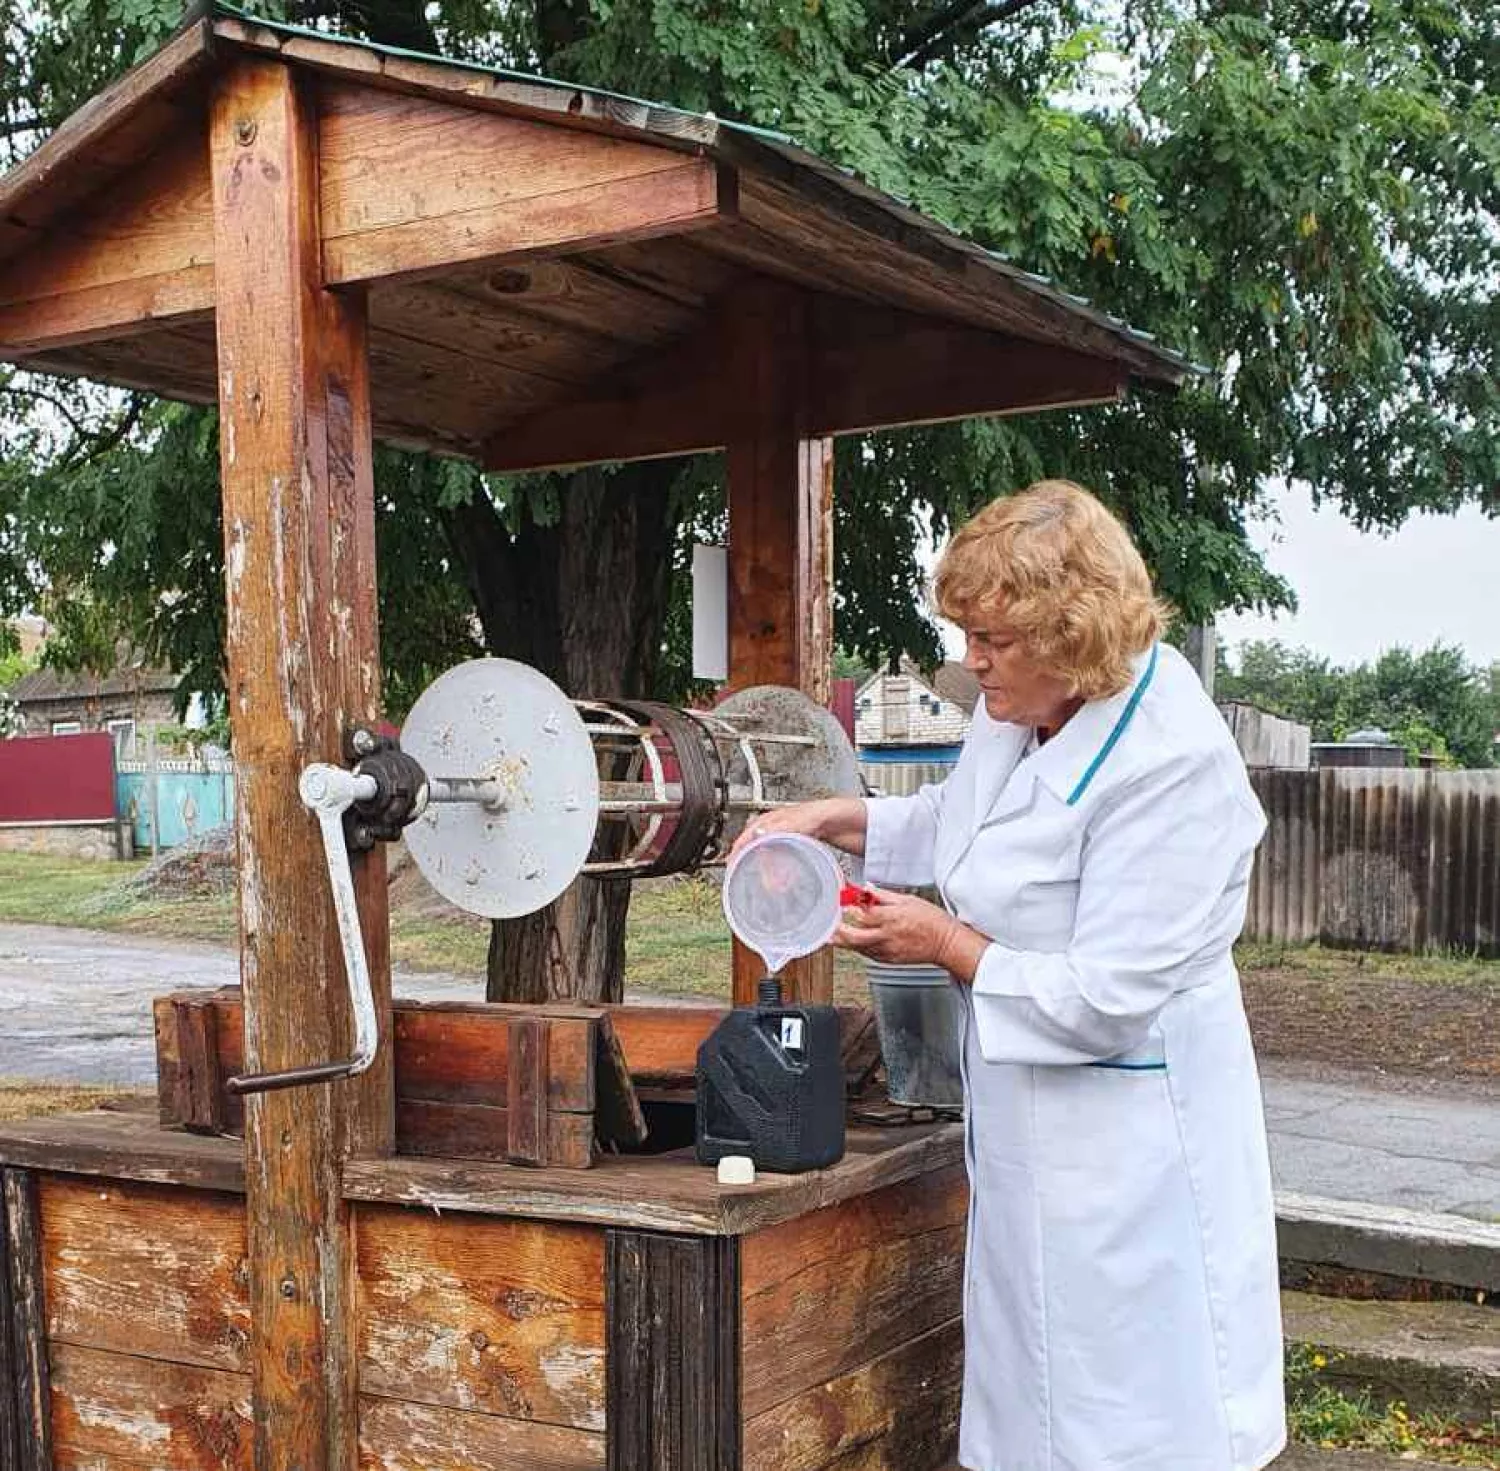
point(771, 1086)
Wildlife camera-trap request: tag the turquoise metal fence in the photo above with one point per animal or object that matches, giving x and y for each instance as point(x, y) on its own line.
point(182, 799)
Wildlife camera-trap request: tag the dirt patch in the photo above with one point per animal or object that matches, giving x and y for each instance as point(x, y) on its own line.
point(1388, 1024)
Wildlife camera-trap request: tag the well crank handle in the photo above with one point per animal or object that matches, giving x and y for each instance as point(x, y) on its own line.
point(329, 792)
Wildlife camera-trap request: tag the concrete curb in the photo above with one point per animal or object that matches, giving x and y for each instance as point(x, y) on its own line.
point(1422, 1246)
point(1439, 1356)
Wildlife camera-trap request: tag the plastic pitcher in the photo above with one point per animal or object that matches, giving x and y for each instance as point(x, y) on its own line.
point(781, 896)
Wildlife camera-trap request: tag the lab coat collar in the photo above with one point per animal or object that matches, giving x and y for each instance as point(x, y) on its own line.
point(1063, 762)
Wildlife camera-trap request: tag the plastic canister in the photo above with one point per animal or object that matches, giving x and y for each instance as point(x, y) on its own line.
point(919, 1019)
point(781, 896)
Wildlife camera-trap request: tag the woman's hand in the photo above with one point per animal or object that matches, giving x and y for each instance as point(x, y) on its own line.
point(836, 820)
point(901, 929)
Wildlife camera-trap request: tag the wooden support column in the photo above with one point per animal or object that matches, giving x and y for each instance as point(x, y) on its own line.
point(303, 664)
point(780, 538)
point(672, 1308)
point(25, 1393)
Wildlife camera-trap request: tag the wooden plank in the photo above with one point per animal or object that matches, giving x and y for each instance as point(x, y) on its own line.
point(835, 1288)
point(656, 1192)
point(291, 643)
point(618, 1117)
point(409, 185)
point(898, 1412)
point(161, 1273)
point(506, 1317)
point(914, 266)
point(11, 1418)
point(199, 1086)
point(494, 331)
point(398, 1435)
point(128, 1413)
point(780, 543)
point(461, 1054)
point(681, 197)
point(482, 1131)
point(45, 181)
point(478, 87)
point(868, 367)
point(28, 1322)
point(526, 1091)
point(110, 311)
point(457, 1053)
point(140, 253)
point(674, 1334)
point(577, 294)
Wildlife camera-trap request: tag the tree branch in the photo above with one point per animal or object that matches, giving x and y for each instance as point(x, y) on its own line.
point(922, 43)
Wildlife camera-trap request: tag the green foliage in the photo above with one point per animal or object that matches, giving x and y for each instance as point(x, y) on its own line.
point(1432, 703)
point(1300, 193)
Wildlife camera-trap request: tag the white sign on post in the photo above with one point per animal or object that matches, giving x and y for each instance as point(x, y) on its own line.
point(710, 613)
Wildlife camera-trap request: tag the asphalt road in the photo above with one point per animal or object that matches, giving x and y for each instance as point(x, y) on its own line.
point(75, 1005)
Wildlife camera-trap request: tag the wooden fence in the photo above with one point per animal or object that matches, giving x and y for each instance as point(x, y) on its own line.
point(1379, 859)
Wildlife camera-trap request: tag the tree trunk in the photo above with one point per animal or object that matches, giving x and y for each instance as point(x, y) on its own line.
point(584, 600)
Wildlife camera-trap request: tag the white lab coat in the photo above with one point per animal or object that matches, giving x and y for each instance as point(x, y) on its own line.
point(1121, 1310)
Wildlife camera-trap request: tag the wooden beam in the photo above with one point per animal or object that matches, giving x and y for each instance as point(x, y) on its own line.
point(303, 661)
point(26, 1322)
point(870, 368)
point(780, 538)
point(106, 135)
point(137, 258)
point(673, 1385)
point(411, 186)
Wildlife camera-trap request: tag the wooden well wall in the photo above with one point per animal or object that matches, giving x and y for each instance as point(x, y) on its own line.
point(832, 1339)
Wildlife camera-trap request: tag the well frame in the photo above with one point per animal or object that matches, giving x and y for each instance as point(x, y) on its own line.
point(336, 242)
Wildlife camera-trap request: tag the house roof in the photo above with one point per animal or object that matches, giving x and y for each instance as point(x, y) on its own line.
point(518, 347)
point(45, 685)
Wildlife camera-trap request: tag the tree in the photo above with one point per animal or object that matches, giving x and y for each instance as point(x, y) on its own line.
point(1298, 194)
point(1433, 703)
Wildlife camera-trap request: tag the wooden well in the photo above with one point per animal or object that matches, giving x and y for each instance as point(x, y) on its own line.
point(336, 243)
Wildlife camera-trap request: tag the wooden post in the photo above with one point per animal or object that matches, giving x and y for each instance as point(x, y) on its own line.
point(780, 540)
point(26, 1421)
point(672, 1307)
point(302, 662)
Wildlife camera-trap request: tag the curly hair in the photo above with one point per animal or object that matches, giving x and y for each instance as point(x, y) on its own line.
point(1055, 566)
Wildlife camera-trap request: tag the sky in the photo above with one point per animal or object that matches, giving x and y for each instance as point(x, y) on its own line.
point(1437, 579)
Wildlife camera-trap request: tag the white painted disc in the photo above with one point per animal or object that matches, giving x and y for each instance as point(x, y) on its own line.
point(498, 719)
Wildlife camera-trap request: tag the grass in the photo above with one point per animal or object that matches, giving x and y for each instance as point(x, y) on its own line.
point(1320, 1414)
point(26, 1100)
point(1316, 962)
point(677, 943)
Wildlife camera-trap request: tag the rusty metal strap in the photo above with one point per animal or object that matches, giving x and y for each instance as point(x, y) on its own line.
point(703, 789)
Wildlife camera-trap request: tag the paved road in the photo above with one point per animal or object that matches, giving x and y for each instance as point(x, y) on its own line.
point(76, 1005)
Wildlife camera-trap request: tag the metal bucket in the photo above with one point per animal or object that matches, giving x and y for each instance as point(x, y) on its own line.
point(919, 1018)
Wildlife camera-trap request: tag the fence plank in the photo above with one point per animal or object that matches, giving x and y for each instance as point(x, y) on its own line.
point(1370, 858)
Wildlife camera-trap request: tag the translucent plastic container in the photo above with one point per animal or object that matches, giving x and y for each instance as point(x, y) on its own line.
point(919, 1018)
point(781, 896)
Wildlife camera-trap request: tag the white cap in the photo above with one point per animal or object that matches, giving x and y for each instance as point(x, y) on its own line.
point(736, 1169)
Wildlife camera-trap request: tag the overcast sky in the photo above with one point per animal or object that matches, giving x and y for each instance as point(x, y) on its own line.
point(1436, 579)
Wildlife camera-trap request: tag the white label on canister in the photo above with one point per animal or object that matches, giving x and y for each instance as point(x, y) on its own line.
point(791, 1033)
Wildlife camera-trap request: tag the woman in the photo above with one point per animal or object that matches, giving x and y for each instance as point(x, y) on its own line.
point(1092, 850)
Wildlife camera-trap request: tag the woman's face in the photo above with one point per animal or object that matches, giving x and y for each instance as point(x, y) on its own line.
point(1016, 687)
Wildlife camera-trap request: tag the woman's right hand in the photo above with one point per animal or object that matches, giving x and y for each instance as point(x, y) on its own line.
point(839, 821)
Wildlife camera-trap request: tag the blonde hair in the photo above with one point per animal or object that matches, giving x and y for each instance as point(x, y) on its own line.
point(1054, 565)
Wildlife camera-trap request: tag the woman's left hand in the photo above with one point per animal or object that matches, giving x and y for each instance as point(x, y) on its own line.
point(901, 929)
